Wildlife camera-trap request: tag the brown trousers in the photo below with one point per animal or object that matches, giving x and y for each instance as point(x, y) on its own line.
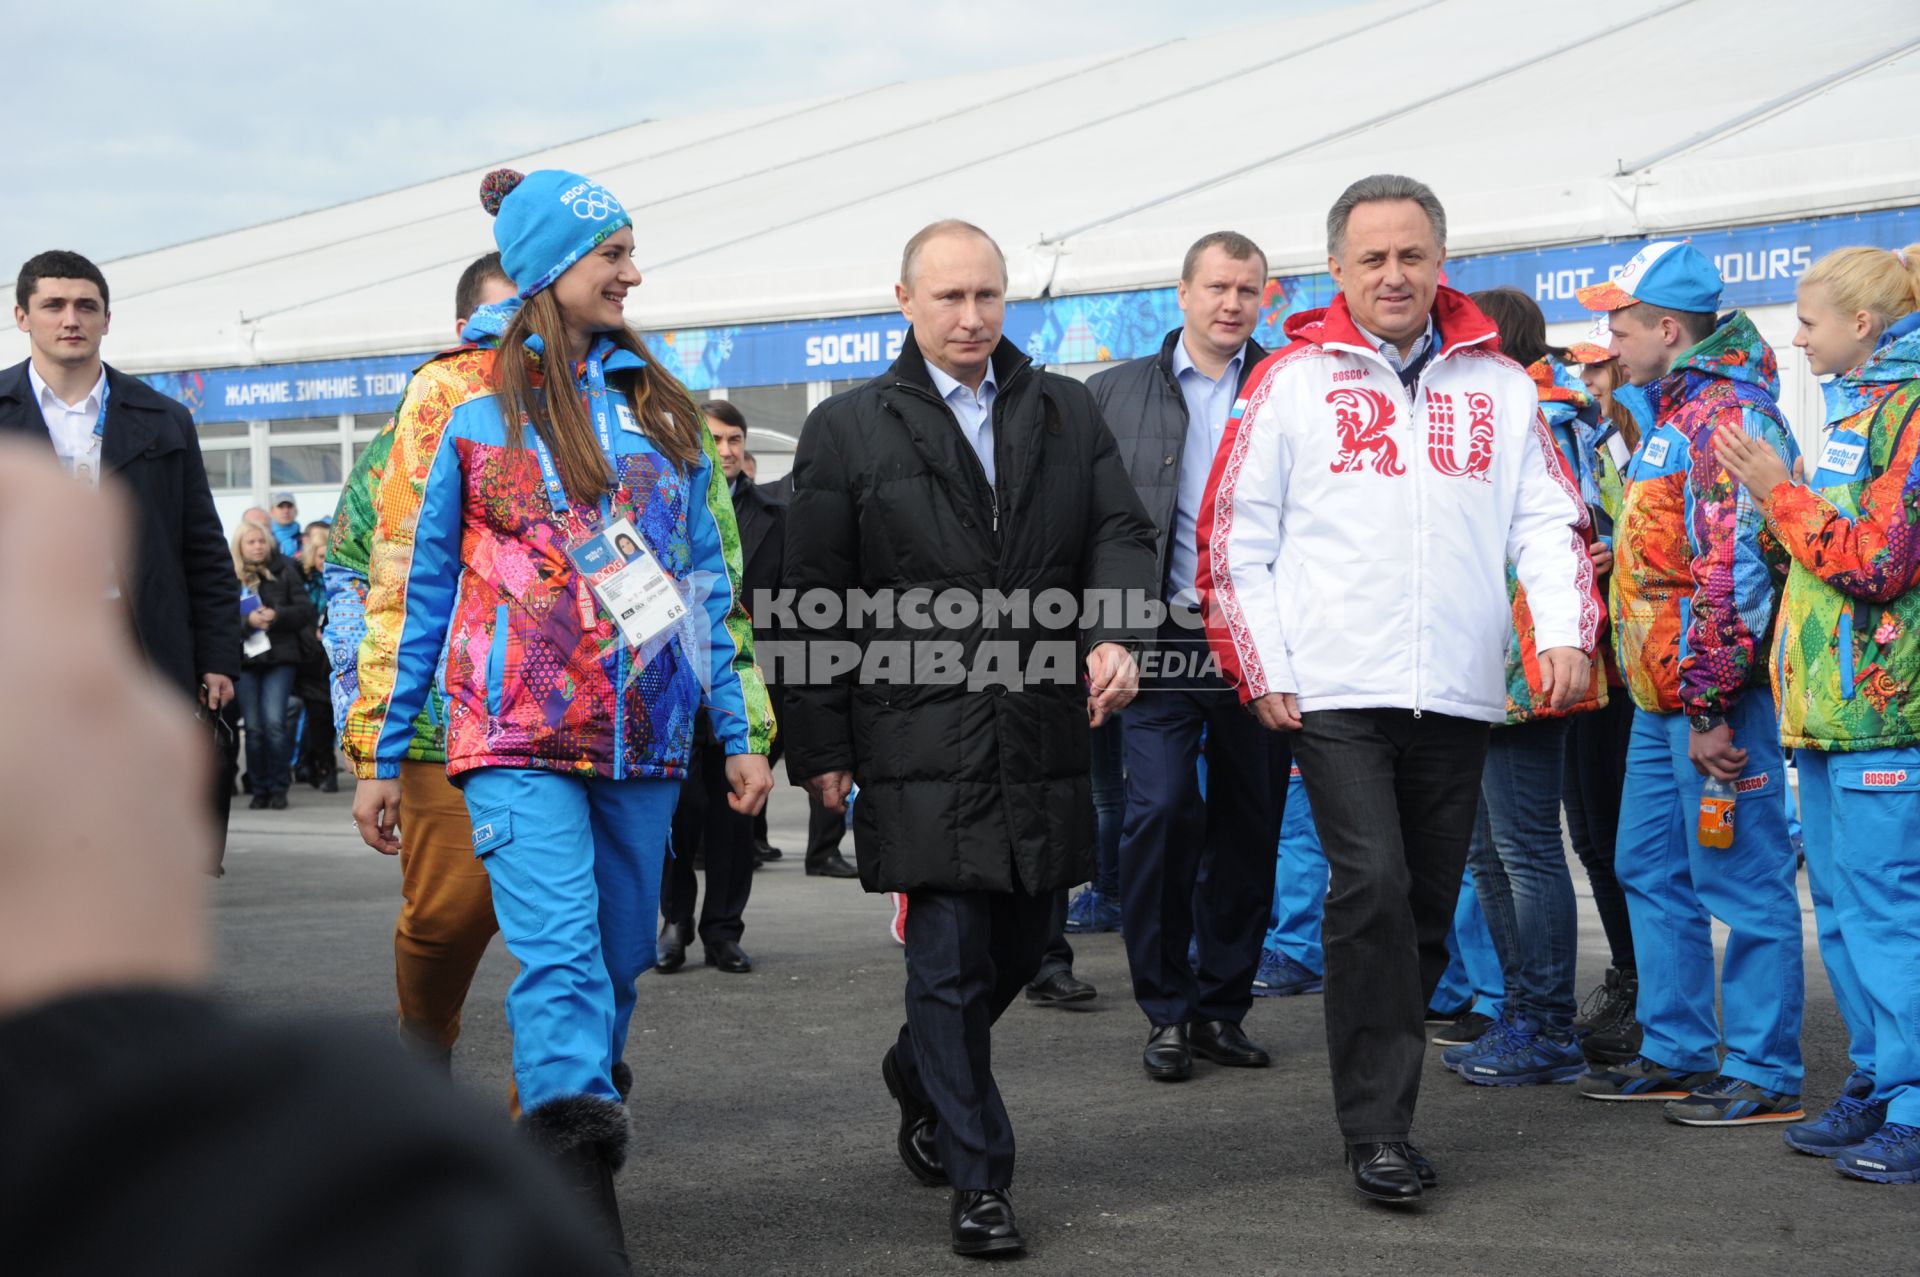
point(446, 909)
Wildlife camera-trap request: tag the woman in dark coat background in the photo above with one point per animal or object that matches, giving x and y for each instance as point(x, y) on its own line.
point(274, 607)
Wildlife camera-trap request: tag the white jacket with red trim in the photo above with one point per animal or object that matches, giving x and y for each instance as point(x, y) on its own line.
point(1354, 541)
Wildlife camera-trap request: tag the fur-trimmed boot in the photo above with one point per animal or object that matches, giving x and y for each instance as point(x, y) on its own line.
point(587, 1139)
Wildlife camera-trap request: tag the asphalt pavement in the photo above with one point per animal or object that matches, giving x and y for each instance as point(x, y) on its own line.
point(763, 1137)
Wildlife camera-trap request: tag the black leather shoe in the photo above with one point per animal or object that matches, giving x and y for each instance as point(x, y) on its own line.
point(1384, 1172)
point(258, 802)
point(1223, 1042)
point(983, 1223)
point(763, 851)
point(834, 866)
point(1060, 988)
point(329, 784)
point(674, 938)
point(1429, 1178)
point(1167, 1057)
point(729, 957)
point(278, 800)
point(917, 1124)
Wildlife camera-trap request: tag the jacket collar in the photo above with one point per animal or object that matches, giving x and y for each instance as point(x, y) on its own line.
point(1460, 323)
point(1254, 355)
point(911, 366)
point(135, 412)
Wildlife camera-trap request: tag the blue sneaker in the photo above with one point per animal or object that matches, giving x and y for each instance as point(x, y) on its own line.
point(1732, 1101)
point(1091, 911)
point(1526, 1057)
point(1891, 1155)
point(1852, 1119)
point(1494, 1039)
point(1281, 977)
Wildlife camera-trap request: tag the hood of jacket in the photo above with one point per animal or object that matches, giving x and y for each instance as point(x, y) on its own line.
point(1735, 351)
point(1459, 321)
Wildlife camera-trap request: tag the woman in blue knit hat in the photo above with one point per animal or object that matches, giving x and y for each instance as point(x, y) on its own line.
point(572, 675)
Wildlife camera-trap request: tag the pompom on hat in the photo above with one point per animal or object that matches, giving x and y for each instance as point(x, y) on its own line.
point(547, 220)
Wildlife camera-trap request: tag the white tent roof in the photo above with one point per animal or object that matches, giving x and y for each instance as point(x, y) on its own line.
point(1095, 172)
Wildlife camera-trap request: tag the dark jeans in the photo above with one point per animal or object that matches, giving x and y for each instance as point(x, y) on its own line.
point(1393, 798)
point(316, 739)
point(1194, 866)
point(968, 954)
point(1520, 872)
point(703, 822)
point(1596, 774)
point(262, 692)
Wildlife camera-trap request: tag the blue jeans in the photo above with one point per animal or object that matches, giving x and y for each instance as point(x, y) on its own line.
point(263, 691)
point(1109, 806)
point(1675, 888)
point(1520, 872)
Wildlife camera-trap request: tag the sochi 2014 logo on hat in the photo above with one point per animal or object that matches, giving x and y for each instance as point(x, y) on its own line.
point(1670, 273)
point(590, 201)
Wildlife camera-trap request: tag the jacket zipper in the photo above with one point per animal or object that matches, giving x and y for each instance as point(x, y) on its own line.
point(1419, 537)
point(979, 470)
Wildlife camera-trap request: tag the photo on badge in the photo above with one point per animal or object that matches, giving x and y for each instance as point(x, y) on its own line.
point(597, 557)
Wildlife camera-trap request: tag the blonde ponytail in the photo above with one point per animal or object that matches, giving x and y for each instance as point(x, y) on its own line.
point(1883, 282)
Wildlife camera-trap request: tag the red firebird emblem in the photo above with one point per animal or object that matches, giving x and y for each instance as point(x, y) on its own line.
point(1363, 418)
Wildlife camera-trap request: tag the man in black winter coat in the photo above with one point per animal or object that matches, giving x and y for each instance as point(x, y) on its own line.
point(1193, 868)
point(975, 499)
point(182, 602)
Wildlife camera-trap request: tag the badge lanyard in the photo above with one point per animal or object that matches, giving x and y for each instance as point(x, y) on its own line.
point(550, 475)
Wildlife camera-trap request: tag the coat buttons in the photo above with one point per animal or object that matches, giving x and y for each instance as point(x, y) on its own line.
point(1167, 460)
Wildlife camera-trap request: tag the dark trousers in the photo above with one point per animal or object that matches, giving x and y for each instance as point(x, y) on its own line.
point(968, 954)
point(1057, 954)
point(1394, 799)
point(1193, 865)
point(1596, 772)
point(703, 822)
point(825, 829)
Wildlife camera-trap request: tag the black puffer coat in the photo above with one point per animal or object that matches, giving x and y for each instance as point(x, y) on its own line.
point(293, 613)
point(962, 788)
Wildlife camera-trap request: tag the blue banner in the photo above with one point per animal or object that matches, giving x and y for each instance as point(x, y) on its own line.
point(1759, 264)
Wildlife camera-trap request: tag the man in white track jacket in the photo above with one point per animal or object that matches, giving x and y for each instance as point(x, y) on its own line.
point(1372, 485)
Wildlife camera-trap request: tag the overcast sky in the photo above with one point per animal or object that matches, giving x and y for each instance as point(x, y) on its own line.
point(142, 125)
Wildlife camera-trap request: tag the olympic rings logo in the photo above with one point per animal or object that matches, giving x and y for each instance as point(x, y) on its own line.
point(591, 202)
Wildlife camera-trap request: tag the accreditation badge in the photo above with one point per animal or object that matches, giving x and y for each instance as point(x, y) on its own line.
point(616, 565)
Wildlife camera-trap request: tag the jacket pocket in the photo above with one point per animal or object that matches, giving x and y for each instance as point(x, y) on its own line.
point(1844, 642)
point(497, 662)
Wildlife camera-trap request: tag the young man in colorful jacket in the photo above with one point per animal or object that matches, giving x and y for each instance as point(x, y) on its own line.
point(1694, 592)
point(446, 905)
point(1845, 666)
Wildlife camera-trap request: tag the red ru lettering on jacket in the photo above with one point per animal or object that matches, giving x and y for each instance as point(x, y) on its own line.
point(1363, 418)
point(1443, 436)
point(1748, 784)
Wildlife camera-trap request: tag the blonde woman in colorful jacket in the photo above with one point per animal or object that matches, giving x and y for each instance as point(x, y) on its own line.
point(572, 671)
point(1519, 866)
point(1845, 663)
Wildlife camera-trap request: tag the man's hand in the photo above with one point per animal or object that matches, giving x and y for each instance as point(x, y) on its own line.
point(215, 691)
point(1278, 711)
point(102, 878)
point(1565, 673)
point(376, 814)
point(832, 789)
point(1113, 680)
point(1714, 754)
point(1602, 555)
point(260, 618)
point(751, 781)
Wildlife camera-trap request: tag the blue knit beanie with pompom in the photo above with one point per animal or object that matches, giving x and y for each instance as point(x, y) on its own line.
point(547, 220)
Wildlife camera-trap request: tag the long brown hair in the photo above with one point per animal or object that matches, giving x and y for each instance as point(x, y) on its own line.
point(659, 402)
point(1618, 413)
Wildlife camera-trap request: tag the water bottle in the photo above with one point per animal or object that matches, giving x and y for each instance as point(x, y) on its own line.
point(1716, 814)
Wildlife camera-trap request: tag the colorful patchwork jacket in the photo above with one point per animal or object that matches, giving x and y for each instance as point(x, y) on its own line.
point(1561, 406)
point(346, 581)
point(1694, 584)
point(1848, 654)
point(469, 576)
